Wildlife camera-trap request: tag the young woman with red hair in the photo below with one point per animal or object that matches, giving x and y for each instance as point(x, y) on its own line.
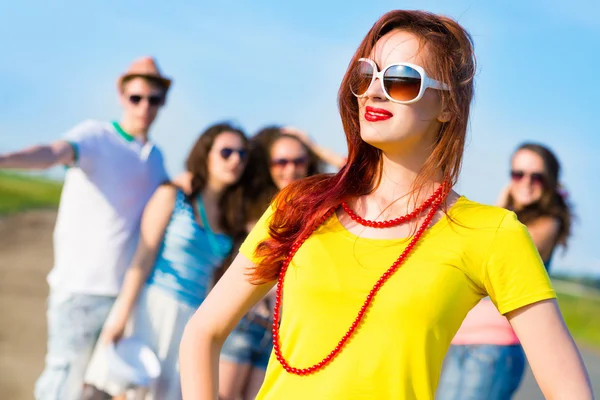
point(377, 265)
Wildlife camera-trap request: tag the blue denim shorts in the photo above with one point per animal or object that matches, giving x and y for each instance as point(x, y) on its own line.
point(249, 343)
point(486, 372)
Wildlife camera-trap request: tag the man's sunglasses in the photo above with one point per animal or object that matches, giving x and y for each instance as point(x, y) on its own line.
point(154, 100)
point(536, 178)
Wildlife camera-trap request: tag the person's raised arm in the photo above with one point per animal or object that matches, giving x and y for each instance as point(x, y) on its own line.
point(551, 352)
point(502, 200)
point(39, 157)
point(155, 219)
point(80, 147)
point(329, 156)
point(226, 304)
point(544, 232)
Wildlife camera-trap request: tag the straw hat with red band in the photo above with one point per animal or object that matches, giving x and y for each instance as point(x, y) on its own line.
point(145, 68)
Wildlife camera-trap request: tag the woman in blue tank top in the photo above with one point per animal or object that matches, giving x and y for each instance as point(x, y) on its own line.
point(184, 241)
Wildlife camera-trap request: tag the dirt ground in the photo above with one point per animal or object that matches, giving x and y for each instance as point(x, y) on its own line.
point(25, 260)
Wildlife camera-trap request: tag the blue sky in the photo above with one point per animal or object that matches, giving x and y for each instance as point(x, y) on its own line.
point(264, 62)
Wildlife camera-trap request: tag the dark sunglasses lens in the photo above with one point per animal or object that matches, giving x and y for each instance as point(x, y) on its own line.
point(226, 153)
point(537, 178)
point(301, 162)
point(152, 100)
point(402, 83)
point(517, 175)
point(361, 78)
point(283, 162)
point(155, 100)
point(135, 99)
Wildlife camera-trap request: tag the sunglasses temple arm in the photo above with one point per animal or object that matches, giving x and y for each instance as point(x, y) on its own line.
point(432, 83)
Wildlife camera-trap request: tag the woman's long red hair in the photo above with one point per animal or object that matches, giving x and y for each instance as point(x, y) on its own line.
point(303, 203)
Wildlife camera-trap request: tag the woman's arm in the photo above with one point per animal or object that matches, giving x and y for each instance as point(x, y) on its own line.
point(554, 359)
point(155, 219)
point(502, 200)
point(205, 333)
point(544, 232)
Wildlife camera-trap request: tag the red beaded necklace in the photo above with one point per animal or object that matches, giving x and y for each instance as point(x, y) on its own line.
point(434, 201)
point(396, 221)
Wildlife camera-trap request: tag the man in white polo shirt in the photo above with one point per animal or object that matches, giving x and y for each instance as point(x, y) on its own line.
point(114, 169)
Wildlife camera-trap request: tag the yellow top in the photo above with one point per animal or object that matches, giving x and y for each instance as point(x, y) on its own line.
point(398, 350)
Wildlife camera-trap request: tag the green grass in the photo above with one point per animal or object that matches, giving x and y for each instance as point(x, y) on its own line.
point(21, 192)
point(581, 315)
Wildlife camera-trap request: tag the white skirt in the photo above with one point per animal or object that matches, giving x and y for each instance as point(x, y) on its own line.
point(158, 321)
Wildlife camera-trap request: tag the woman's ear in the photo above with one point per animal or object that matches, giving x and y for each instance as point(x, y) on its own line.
point(444, 116)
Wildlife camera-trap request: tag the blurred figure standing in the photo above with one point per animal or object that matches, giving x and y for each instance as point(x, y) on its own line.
point(486, 361)
point(113, 170)
point(278, 157)
point(184, 242)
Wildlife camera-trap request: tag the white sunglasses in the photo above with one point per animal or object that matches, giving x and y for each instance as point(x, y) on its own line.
point(402, 83)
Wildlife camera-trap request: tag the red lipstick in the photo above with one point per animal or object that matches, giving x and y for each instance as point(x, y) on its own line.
point(373, 114)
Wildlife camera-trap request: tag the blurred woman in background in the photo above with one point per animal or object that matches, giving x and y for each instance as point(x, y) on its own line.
point(278, 157)
point(486, 360)
point(184, 241)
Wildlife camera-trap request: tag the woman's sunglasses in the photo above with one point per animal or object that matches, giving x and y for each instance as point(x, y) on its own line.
point(402, 83)
point(155, 100)
point(536, 178)
point(283, 162)
point(226, 152)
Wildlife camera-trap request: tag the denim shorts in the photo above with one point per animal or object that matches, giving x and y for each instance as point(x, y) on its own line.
point(249, 343)
point(74, 324)
point(481, 372)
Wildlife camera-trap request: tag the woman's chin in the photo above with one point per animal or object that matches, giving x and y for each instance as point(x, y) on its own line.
point(523, 201)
